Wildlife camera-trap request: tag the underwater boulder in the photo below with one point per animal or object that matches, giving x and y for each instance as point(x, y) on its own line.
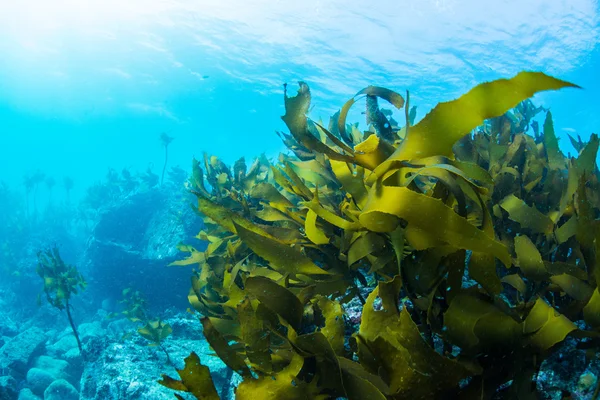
point(133, 243)
point(38, 380)
point(61, 347)
point(17, 352)
point(60, 369)
point(61, 390)
point(27, 394)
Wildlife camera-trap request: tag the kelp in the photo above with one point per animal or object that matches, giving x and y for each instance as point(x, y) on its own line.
point(61, 281)
point(135, 309)
point(476, 243)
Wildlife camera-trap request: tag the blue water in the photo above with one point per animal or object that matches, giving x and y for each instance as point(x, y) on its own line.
point(88, 85)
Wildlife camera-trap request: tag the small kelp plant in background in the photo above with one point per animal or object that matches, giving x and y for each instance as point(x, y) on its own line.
point(166, 141)
point(61, 281)
point(135, 310)
point(476, 244)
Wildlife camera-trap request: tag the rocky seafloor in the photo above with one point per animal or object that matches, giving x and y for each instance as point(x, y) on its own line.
point(131, 244)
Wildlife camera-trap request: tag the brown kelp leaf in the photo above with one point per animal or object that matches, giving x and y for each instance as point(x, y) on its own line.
point(372, 151)
point(327, 368)
point(195, 379)
point(516, 282)
point(482, 268)
point(359, 383)
point(392, 97)
point(285, 384)
point(546, 326)
point(296, 109)
point(365, 245)
point(566, 230)
point(591, 312)
point(314, 172)
point(449, 121)
point(576, 288)
point(195, 257)
point(334, 323)
point(373, 319)
point(442, 373)
point(265, 191)
point(330, 216)
point(281, 257)
point(555, 158)
point(391, 343)
point(223, 349)
point(474, 322)
point(527, 217)
point(388, 204)
point(586, 162)
point(256, 336)
point(351, 178)
point(277, 298)
point(314, 232)
point(155, 331)
point(227, 218)
point(529, 259)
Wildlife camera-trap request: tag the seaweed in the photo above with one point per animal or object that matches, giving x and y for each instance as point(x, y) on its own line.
point(477, 243)
point(61, 281)
point(136, 310)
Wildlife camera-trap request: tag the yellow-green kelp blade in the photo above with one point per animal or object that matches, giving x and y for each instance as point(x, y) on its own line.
point(449, 121)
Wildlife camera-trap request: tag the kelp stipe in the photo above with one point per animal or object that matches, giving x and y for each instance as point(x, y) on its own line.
point(412, 214)
point(61, 281)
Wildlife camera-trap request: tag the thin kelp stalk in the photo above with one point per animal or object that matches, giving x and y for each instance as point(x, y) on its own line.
point(407, 113)
point(167, 354)
point(68, 306)
point(166, 140)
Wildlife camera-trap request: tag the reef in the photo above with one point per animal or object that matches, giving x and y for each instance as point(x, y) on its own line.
point(469, 246)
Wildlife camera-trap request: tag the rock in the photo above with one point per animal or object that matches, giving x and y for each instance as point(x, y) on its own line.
point(27, 394)
point(139, 250)
point(587, 381)
point(38, 380)
point(17, 352)
point(60, 369)
point(62, 346)
point(130, 370)
point(90, 329)
point(61, 390)
point(108, 304)
point(8, 387)
point(8, 327)
point(558, 373)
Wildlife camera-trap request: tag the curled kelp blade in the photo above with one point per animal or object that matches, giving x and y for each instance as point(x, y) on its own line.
point(449, 121)
point(374, 91)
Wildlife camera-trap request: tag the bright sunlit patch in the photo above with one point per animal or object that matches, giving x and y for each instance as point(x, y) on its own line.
point(168, 46)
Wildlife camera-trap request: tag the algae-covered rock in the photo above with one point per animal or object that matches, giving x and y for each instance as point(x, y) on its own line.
point(129, 369)
point(8, 387)
point(61, 390)
point(17, 352)
point(38, 380)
